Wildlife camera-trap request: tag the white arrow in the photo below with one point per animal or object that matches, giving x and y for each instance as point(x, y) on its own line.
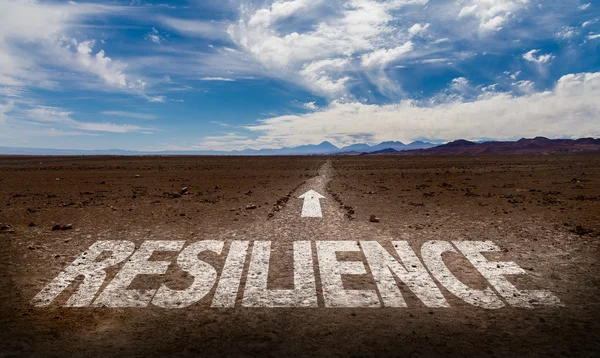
point(311, 207)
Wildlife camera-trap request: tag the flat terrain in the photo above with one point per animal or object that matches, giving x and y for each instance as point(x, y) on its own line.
point(542, 211)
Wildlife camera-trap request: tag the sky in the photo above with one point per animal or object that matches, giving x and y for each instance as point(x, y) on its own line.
point(235, 74)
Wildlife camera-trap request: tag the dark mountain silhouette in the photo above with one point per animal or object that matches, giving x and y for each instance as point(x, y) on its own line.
point(538, 145)
point(382, 151)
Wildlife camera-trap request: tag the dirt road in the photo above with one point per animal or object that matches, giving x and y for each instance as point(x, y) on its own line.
point(238, 269)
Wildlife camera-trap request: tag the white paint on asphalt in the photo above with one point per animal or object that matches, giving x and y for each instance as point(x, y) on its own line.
point(311, 208)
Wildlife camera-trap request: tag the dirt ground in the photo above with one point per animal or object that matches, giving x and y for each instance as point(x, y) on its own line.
point(543, 211)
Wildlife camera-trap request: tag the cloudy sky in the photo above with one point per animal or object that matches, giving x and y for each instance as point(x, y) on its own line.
point(234, 74)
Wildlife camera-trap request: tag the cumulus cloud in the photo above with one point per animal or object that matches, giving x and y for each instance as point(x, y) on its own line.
point(567, 32)
point(417, 29)
point(570, 109)
point(492, 15)
point(310, 106)
point(154, 36)
point(357, 29)
point(541, 59)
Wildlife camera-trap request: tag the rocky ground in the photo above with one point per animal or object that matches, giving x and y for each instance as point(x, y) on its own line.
point(543, 211)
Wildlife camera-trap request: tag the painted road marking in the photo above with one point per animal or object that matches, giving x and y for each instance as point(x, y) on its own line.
point(312, 206)
point(398, 264)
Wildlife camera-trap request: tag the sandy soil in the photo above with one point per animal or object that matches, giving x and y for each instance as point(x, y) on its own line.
point(543, 211)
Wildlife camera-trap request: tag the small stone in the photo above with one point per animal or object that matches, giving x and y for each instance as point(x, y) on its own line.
point(67, 227)
point(251, 207)
point(373, 219)
point(137, 176)
point(31, 224)
point(183, 191)
point(56, 227)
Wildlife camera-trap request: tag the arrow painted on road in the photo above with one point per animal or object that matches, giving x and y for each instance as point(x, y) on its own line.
point(311, 207)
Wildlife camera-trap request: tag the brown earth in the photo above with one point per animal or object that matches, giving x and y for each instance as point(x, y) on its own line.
point(543, 211)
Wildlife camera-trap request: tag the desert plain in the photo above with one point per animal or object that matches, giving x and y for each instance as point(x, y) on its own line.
point(542, 211)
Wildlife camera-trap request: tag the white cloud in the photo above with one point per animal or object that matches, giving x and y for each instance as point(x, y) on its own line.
point(60, 117)
point(197, 28)
point(593, 36)
point(155, 36)
point(348, 30)
point(125, 114)
point(524, 86)
point(384, 56)
point(40, 51)
point(566, 32)
point(417, 29)
point(157, 99)
point(588, 23)
point(571, 109)
point(492, 14)
point(584, 6)
point(310, 105)
point(541, 59)
point(460, 84)
point(223, 79)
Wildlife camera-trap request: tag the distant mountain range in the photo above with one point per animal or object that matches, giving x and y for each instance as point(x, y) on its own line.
point(538, 145)
point(309, 149)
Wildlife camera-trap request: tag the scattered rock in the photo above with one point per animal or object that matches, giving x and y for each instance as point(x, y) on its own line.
point(62, 227)
point(6, 229)
point(373, 219)
point(581, 231)
point(172, 195)
point(251, 207)
point(184, 191)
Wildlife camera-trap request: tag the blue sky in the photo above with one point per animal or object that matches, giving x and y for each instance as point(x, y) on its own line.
point(233, 74)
